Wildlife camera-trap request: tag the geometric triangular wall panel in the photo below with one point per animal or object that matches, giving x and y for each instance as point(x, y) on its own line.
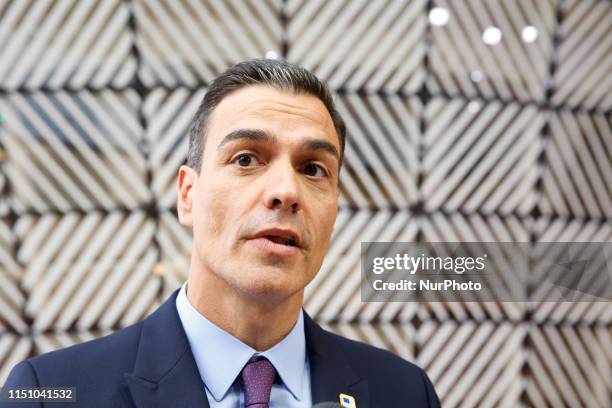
point(467, 121)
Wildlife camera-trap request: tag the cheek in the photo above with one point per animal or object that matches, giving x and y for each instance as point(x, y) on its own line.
point(325, 220)
point(212, 211)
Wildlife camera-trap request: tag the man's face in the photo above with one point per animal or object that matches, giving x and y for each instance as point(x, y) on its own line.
point(263, 207)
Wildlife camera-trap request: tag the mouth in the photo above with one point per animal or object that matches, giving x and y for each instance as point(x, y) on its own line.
point(279, 236)
point(280, 240)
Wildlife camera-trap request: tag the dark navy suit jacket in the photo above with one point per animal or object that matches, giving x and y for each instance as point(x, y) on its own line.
point(150, 364)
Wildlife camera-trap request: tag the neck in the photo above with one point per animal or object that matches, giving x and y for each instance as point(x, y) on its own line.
point(259, 323)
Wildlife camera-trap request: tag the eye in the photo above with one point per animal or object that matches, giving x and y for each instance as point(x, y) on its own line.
point(245, 160)
point(314, 170)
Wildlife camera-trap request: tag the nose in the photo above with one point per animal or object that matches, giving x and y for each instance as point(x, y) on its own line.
point(282, 189)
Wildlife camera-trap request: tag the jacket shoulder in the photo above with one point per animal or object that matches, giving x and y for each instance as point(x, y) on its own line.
point(367, 358)
point(94, 368)
point(110, 355)
point(387, 373)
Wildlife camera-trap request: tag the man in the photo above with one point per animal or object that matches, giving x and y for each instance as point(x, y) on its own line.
point(260, 194)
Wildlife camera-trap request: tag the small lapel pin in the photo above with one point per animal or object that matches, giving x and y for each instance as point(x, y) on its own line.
point(347, 401)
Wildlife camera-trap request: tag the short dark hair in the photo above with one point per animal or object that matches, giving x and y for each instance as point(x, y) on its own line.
point(274, 73)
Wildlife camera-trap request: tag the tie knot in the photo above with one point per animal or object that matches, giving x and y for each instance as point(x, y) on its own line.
point(257, 379)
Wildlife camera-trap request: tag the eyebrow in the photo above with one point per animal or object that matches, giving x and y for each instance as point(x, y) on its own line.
point(258, 135)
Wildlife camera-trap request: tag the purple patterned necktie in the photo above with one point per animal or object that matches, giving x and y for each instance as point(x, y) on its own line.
point(257, 379)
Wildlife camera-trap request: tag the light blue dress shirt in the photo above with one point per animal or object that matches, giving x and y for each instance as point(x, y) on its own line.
point(220, 358)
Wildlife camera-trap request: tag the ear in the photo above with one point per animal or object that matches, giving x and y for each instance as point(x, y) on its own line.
point(184, 204)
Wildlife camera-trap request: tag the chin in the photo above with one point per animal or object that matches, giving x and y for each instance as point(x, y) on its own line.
point(268, 289)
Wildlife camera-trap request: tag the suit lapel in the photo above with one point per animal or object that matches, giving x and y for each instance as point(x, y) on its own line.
point(330, 371)
point(165, 373)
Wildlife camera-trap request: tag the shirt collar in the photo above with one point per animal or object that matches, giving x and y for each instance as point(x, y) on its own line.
point(220, 356)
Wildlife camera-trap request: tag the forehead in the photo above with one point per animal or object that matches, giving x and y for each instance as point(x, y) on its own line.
point(277, 111)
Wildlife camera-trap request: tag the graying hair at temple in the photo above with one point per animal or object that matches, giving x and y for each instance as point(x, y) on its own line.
point(274, 73)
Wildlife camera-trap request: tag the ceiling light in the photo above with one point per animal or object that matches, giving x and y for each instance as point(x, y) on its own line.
point(491, 35)
point(438, 16)
point(271, 54)
point(476, 75)
point(529, 34)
